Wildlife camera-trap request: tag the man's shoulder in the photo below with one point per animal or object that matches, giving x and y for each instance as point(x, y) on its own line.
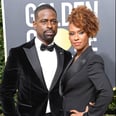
point(63, 50)
point(26, 44)
point(21, 46)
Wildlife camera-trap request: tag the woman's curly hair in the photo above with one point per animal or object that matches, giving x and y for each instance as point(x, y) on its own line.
point(82, 17)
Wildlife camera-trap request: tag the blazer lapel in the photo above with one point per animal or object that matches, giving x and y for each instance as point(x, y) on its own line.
point(60, 56)
point(76, 66)
point(34, 61)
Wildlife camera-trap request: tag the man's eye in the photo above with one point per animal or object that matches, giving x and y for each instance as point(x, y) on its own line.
point(43, 21)
point(46, 21)
point(54, 21)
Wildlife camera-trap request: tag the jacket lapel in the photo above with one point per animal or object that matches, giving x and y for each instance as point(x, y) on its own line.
point(34, 61)
point(76, 66)
point(60, 56)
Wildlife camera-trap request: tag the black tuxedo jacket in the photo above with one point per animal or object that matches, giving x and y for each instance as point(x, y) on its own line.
point(85, 81)
point(23, 73)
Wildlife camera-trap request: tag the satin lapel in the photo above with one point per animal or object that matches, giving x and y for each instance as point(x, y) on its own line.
point(71, 61)
point(62, 77)
point(60, 57)
point(77, 65)
point(70, 71)
point(34, 61)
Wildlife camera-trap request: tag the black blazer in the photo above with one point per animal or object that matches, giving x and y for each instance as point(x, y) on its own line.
point(23, 73)
point(84, 81)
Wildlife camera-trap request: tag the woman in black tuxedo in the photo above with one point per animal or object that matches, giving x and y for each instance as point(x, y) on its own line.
point(84, 79)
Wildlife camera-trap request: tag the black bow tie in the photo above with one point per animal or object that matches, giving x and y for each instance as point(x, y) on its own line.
point(45, 47)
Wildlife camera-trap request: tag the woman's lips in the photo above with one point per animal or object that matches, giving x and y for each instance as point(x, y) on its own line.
point(77, 43)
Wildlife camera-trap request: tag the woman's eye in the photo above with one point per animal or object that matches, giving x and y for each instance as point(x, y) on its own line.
point(81, 32)
point(71, 33)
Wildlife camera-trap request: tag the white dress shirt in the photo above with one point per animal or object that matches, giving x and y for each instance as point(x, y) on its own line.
point(48, 61)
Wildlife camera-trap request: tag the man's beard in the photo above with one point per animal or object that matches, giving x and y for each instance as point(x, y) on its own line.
point(49, 36)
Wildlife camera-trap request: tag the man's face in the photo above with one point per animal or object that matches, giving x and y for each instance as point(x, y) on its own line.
point(46, 25)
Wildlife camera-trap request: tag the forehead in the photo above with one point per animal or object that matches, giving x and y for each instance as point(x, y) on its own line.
point(72, 27)
point(47, 13)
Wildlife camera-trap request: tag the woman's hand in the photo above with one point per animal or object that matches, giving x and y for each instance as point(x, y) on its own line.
point(77, 113)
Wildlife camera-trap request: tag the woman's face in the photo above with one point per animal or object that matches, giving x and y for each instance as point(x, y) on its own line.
point(78, 38)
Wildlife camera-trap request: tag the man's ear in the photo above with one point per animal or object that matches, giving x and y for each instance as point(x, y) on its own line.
point(34, 25)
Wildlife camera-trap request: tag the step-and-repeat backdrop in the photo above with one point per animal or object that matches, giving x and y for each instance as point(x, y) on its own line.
point(19, 14)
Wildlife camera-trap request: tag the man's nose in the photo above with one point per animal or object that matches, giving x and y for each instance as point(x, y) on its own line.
point(49, 24)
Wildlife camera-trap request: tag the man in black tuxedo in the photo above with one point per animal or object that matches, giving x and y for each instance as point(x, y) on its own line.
point(33, 71)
